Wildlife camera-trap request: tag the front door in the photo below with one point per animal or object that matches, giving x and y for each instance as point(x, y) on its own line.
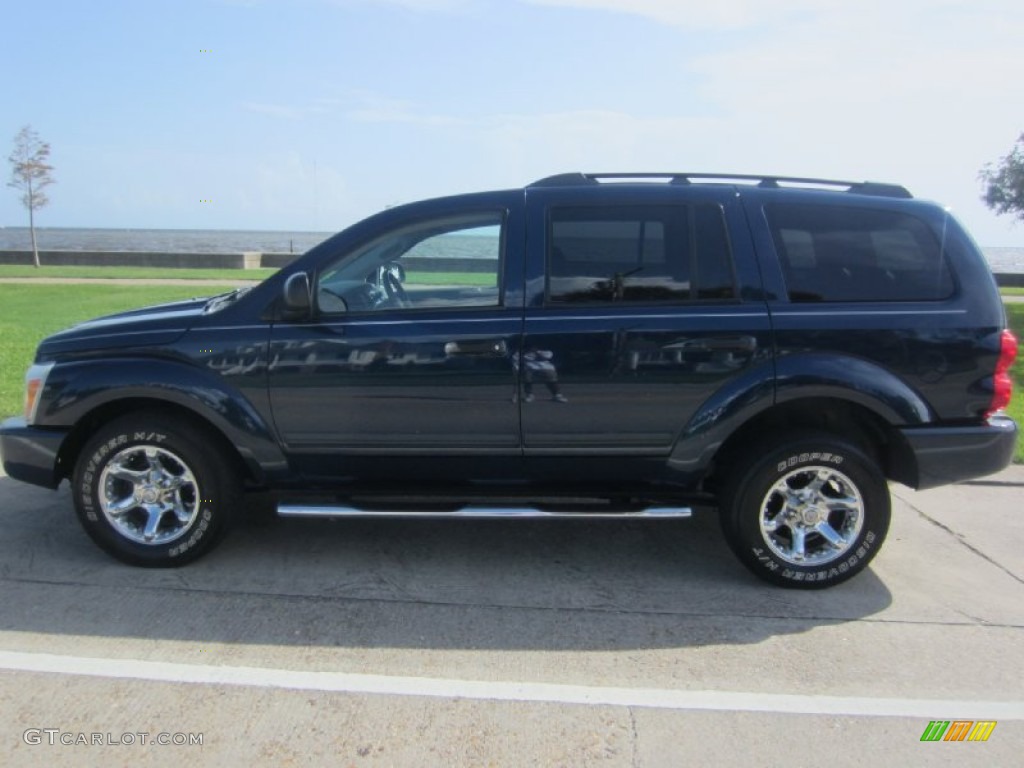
point(410, 354)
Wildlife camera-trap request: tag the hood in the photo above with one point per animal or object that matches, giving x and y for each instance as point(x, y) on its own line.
point(148, 326)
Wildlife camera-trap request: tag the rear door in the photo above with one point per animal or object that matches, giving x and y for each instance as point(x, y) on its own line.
point(635, 315)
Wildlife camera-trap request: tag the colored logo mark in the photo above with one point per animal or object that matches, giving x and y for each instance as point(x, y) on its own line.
point(958, 730)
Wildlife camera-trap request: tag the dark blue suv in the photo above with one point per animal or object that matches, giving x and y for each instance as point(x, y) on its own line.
point(590, 345)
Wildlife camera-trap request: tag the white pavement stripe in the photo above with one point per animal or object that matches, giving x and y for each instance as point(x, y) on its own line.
point(549, 693)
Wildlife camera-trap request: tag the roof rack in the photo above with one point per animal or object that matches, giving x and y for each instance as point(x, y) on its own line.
point(766, 182)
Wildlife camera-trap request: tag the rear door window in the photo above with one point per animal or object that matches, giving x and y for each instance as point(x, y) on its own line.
point(638, 254)
point(845, 253)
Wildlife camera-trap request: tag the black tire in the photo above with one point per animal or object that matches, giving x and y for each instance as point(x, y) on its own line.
point(152, 490)
point(807, 514)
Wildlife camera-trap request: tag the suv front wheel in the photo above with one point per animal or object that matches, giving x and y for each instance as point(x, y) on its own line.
point(153, 491)
point(807, 514)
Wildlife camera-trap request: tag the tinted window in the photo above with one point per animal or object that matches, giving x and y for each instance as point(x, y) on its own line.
point(638, 254)
point(839, 253)
point(451, 262)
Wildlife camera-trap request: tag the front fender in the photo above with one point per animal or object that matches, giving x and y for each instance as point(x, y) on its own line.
point(74, 390)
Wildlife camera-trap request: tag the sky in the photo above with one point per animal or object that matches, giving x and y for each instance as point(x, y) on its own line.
point(311, 114)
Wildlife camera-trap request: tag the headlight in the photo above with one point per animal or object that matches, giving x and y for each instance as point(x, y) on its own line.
point(35, 380)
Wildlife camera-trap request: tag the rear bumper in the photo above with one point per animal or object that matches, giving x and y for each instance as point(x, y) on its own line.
point(947, 455)
point(29, 453)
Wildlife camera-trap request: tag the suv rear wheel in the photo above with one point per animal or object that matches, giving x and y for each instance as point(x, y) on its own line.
point(807, 514)
point(153, 491)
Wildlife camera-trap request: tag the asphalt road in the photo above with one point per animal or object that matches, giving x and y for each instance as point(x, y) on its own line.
point(379, 643)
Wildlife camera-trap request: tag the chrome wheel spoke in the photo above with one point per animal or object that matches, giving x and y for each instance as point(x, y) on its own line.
point(799, 542)
point(118, 508)
point(174, 482)
point(134, 476)
point(843, 504)
point(155, 514)
point(822, 476)
point(181, 511)
point(831, 535)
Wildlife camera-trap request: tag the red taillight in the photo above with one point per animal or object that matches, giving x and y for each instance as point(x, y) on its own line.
point(1002, 383)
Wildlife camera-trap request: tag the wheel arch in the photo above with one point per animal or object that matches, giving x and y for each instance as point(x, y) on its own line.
point(102, 414)
point(84, 394)
point(844, 419)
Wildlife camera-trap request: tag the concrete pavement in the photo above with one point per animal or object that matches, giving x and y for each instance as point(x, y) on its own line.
point(560, 643)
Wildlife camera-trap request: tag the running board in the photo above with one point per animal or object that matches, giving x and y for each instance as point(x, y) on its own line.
point(478, 513)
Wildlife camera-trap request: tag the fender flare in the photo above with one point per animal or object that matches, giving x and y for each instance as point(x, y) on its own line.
point(76, 389)
point(844, 377)
point(788, 380)
point(731, 406)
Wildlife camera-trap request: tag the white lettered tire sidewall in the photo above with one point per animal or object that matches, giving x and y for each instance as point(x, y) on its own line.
point(762, 470)
point(215, 480)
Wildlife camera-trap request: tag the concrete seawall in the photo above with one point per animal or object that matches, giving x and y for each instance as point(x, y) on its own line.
point(248, 260)
point(255, 260)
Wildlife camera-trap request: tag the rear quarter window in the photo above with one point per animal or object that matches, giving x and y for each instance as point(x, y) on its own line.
point(845, 253)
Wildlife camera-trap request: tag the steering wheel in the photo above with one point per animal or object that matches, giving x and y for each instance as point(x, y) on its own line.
point(395, 291)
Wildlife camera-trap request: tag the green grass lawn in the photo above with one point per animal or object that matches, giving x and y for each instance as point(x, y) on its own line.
point(161, 273)
point(28, 313)
point(1011, 291)
point(450, 278)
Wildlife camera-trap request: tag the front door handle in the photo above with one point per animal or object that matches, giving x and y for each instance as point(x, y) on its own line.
point(486, 348)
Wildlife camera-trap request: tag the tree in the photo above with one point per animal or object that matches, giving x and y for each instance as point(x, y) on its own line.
point(30, 173)
point(1004, 184)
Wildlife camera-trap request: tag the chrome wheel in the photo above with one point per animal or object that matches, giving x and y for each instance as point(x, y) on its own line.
point(812, 516)
point(148, 494)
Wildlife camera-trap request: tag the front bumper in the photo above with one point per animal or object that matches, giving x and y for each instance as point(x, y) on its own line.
point(30, 453)
point(947, 455)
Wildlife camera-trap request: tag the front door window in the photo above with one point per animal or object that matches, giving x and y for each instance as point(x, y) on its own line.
point(450, 263)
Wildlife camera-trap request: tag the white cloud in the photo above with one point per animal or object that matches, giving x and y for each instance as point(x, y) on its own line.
point(701, 13)
point(918, 92)
point(921, 92)
point(885, 95)
point(731, 14)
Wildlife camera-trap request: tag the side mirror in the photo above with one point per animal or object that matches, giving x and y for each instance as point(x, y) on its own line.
point(297, 301)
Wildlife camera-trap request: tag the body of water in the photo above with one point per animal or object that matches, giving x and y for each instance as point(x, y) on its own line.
point(234, 241)
point(160, 240)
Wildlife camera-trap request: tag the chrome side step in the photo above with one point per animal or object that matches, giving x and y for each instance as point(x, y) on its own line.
point(477, 513)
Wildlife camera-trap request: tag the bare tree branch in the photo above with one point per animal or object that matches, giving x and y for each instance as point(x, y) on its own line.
point(31, 174)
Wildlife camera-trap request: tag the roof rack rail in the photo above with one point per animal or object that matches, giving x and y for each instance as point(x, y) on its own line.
point(767, 182)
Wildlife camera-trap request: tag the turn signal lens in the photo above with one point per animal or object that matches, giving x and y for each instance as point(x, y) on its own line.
point(35, 380)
